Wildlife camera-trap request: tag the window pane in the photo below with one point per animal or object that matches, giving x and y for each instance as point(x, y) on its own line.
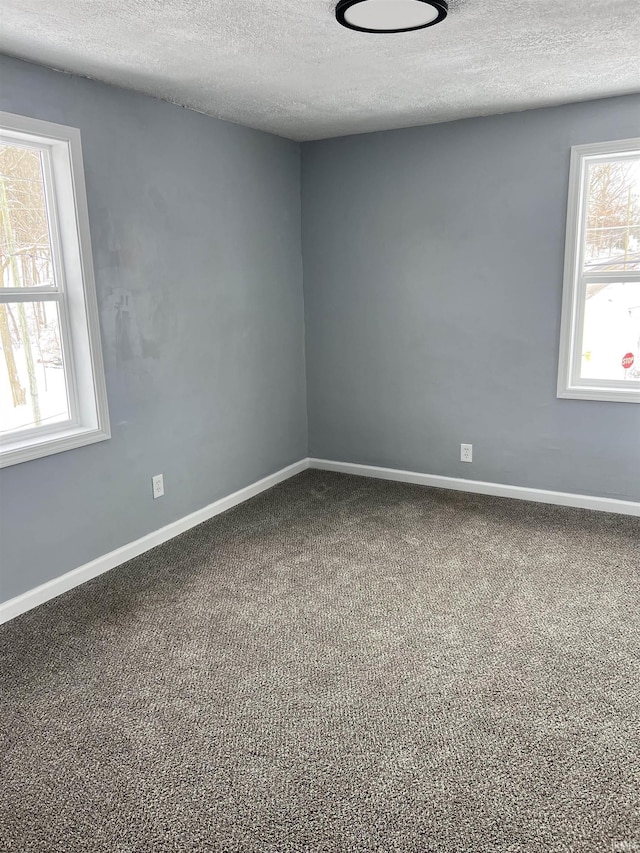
point(25, 245)
point(611, 333)
point(33, 387)
point(613, 216)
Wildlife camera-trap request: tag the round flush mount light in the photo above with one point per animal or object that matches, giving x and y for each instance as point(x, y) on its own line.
point(390, 16)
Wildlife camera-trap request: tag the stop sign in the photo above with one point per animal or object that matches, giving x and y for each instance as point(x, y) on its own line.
point(627, 360)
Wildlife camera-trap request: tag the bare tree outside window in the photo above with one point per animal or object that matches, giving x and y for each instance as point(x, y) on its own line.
point(613, 216)
point(32, 383)
point(53, 395)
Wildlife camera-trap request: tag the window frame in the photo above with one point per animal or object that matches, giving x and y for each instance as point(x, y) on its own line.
point(74, 292)
point(570, 384)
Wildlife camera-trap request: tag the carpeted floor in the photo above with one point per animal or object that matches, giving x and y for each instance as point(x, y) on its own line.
point(340, 664)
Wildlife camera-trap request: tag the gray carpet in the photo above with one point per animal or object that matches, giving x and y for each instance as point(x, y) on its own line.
point(340, 664)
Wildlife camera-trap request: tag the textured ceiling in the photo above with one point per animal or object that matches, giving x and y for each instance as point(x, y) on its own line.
point(287, 67)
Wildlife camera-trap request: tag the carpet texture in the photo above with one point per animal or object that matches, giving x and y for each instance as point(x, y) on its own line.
point(340, 664)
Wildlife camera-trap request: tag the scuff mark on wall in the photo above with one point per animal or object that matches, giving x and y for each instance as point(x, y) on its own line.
point(130, 326)
point(123, 336)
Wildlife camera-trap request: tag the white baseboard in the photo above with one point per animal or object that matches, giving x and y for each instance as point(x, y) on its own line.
point(477, 486)
point(33, 597)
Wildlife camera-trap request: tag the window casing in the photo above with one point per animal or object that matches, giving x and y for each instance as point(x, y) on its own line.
point(48, 298)
point(600, 331)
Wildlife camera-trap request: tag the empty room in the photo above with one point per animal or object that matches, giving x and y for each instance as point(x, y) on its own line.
point(319, 426)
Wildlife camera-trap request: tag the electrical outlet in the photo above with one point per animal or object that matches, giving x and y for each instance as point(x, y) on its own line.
point(158, 486)
point(466, 452)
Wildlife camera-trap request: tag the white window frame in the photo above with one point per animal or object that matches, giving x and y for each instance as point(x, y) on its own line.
point(74, 292)
point(570, 385)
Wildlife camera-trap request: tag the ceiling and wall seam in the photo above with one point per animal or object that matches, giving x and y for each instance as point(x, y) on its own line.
point(290, 69)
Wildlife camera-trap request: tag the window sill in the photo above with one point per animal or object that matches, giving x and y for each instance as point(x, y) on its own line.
point(610, 395)
point(14, 452)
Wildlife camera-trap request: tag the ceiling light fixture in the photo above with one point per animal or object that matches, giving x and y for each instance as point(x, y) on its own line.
point(390, 16)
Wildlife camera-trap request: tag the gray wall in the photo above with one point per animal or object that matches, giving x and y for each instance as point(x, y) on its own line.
point(413, 345)
point(196, 223)
point(433, 262)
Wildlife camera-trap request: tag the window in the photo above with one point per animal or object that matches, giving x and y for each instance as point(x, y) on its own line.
point(52, 389)
point(600, 339)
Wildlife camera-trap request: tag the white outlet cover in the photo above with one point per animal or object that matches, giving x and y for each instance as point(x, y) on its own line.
point(466, 452)
point(158, 486)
